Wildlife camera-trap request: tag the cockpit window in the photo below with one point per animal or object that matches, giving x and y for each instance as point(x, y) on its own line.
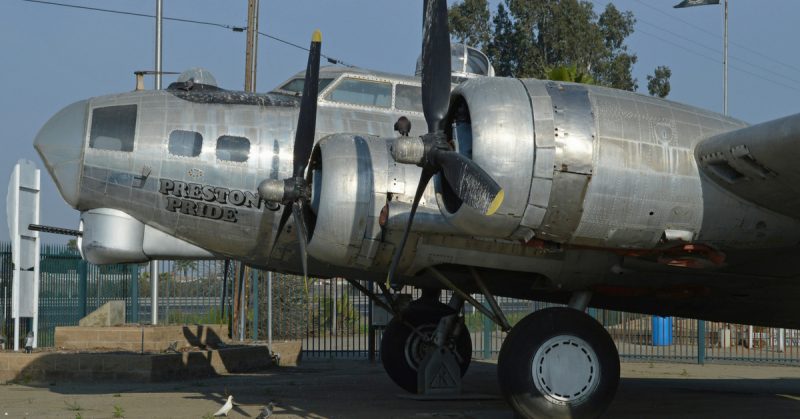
point(477, 63)
point(235, 149)
point(362, 92)
point(296, 85)
point(185, 143)
point(408, 98)
point(113, 128)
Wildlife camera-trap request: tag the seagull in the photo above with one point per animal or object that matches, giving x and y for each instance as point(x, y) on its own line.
point(223, 411)
point(266, 411)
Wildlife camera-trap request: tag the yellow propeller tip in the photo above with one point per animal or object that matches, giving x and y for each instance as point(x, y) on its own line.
point(496, 202)
point(317, 36)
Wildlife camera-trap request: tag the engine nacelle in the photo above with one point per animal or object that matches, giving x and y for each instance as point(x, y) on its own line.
point(347, 171)
point(112, 236)
point(492, 124)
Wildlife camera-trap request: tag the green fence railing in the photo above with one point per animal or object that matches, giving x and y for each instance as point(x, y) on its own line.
point(332, 318)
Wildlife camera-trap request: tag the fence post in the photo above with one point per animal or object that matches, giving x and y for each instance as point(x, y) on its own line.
point(134, 268)
point(701, 342)
point(254, 275)
point(269, 310)
point(488, 328)
point(83, 278)
point(370, 327)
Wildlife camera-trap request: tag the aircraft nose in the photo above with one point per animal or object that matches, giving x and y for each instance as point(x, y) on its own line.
point(60, 145)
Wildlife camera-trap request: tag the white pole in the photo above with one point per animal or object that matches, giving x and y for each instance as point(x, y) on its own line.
point(153, 292)
point(36, 261)
point(725, 63)
point(269, 310)
point(16, 259)
point(159, 20)
point(781, 340)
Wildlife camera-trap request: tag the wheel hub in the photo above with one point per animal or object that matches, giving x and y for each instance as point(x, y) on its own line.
point(565, 369)
point(418, 345)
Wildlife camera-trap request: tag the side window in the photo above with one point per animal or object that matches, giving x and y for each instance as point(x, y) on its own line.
point(113, 128)
point(185, 143)
point(230, 148)
point(362, 92)
point(408, 98)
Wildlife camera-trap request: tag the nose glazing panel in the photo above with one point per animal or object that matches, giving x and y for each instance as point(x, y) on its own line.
point(60, 145)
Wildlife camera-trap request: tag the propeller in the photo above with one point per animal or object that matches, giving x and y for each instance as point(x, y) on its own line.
point(432, 152)
point(295, 192)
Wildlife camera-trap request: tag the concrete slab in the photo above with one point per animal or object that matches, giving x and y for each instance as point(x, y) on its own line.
point(358, 389)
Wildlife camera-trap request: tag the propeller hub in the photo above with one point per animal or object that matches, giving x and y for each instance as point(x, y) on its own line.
point(285, 191)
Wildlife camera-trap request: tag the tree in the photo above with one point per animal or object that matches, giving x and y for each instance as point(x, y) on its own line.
point(658, 83)
point(569, 73)
point(541, 38)
point(469, 22)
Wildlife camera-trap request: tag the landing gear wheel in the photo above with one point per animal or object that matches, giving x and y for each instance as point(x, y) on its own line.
point(558, 363)
point(402, 350)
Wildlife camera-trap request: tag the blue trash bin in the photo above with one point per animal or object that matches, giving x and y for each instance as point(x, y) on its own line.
point(662, 331)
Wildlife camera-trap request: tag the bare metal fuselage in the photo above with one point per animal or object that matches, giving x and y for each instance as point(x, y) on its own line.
point(603, 193)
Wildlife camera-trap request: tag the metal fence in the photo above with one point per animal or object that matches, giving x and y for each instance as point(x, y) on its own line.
point(334, 319)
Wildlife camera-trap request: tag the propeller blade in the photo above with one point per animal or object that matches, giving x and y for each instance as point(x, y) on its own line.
point(427, 174)
point(435, 64)
point(307, 120)
point(470, 182)
point(287, 211)
point(300, 228)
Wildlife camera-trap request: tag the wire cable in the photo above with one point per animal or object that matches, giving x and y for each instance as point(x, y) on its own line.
point(199, 22)
point(716, 35)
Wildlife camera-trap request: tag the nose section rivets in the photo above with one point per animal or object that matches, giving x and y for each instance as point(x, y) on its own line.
point(60, 145)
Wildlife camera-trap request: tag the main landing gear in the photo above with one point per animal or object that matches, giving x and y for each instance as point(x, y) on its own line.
point(555, 363)
point(558, 363)
point(424, 330)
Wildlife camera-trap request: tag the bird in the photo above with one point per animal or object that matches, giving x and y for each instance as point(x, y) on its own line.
point(223, 411)
point(403, 126)
point(266, 411)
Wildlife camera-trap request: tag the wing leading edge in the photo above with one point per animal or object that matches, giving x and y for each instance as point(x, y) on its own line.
point(759, 163)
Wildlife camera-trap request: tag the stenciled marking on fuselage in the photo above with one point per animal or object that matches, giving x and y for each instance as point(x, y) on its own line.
point(182, 197)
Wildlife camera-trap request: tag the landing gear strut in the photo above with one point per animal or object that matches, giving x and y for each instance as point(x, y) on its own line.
point(558, 363)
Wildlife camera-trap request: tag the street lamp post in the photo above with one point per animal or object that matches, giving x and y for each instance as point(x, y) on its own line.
point(690, 3)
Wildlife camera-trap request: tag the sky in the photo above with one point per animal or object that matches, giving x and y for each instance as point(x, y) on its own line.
point(53, 56)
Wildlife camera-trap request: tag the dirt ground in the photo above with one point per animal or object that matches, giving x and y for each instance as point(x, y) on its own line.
point(358, 389)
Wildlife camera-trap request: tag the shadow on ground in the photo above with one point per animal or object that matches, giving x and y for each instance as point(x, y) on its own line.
point(359, 389)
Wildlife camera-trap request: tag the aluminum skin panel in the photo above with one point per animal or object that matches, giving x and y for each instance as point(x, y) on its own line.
point(569, 161)
point(645, 179)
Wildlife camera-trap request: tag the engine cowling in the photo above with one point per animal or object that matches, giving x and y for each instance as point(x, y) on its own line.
point(347, 170)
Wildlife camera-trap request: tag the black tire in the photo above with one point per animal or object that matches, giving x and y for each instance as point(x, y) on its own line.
point(402, 350)
point(582, 337)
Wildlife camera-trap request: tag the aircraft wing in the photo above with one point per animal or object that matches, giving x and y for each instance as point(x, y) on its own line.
point(760, 163)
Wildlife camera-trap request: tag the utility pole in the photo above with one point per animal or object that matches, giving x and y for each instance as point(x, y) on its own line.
point(251, 54)
point(159, 21)
point(725, 62)
point(153, 263)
